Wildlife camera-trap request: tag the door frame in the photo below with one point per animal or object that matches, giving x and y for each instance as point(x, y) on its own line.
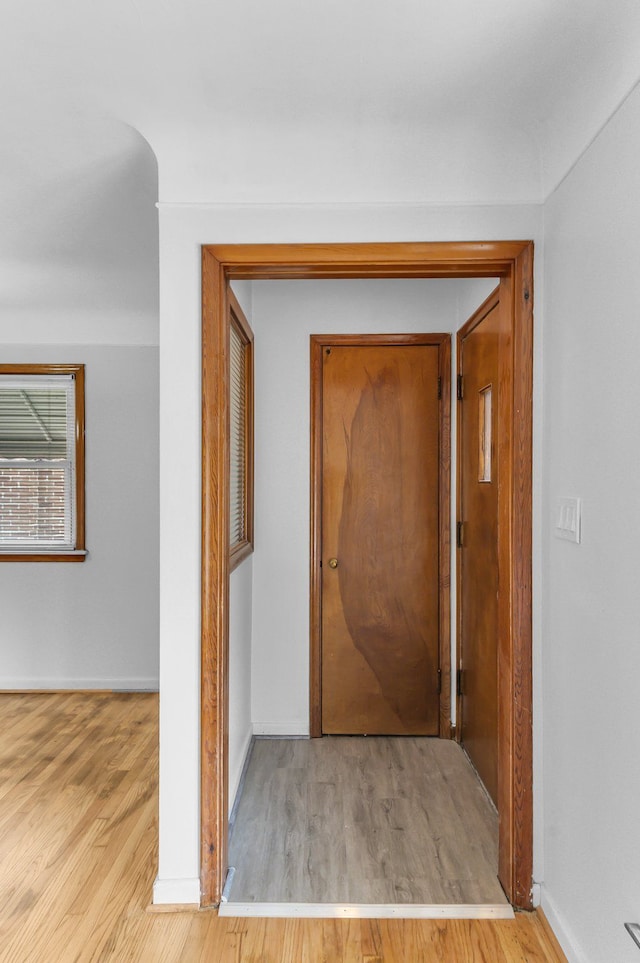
point(512, 262)
point(443, 343)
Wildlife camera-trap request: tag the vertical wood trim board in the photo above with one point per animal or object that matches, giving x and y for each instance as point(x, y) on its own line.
point(444, 524)
point(315, 523)
point(214, 707)
point(519, 690)
point(512, 261)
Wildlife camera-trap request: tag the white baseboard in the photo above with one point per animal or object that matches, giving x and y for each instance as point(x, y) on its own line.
point(176, 891)
point(565, 937)
point(380, 911)
point(281, 729)
point(235, 777)
point(144, 684)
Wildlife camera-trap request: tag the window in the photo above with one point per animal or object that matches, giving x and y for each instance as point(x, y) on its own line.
point(484, 434)
point(241, 434)
point(42, 462)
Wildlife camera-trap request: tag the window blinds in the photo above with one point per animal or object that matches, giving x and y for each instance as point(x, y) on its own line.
point(238, 445)
point(34, 419)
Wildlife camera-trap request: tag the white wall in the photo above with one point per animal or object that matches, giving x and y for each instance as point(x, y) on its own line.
point(95, 624)
point(182, 230)
point(240, 614)
point(79, 261)
point(592, 602)
point(79, 246)
point(285, 314)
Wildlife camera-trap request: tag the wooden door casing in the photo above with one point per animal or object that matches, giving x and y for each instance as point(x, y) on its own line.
point(512, 262)
point(380, 524)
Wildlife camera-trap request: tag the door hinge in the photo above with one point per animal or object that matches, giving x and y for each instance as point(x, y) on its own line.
point(439, 387)
point(460, 387)
point(459, 682)
point(439, 681)
point(459, 534)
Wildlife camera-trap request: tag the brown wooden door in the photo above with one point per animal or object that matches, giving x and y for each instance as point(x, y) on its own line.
point(380, 476)
point(478, 552)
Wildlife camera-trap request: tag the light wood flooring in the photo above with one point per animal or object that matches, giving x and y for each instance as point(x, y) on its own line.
point(78, 830)
point(364, 820)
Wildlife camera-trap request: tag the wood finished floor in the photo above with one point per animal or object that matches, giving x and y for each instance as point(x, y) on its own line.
point(78, 830)
point(364, 820)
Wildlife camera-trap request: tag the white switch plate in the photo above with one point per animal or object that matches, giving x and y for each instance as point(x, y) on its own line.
point(568, 519)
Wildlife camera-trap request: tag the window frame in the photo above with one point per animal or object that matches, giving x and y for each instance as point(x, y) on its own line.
point(241, 549)
point(48, 553)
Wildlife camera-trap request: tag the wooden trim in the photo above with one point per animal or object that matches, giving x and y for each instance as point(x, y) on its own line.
point(237, 553)
point(238, 315)
point(479, 315)
point(315, 522)
point(512, 261)
point(43, 369)
point(43, 557)
point(355, 340)
point(506, 707)
point(444, 539)
point(80, 449)
point(214, 706)
point(77, 370)
point(515, 730)
point(318, 342)
point(418, 259)
point(518, 689)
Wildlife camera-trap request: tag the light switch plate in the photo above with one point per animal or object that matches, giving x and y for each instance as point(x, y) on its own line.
point(568, 519)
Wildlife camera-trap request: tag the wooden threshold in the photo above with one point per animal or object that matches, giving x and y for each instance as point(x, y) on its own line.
point(370, 911)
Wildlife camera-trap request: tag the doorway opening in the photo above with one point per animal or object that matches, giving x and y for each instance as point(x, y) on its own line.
point(512, 263)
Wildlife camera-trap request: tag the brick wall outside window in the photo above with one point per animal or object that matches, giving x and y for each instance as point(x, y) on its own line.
point(32, 503)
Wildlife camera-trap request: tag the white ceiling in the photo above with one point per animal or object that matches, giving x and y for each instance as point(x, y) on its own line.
point(416, 101)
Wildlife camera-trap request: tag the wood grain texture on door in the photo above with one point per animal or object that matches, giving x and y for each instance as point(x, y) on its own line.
point(380, 659)
point(478, 562)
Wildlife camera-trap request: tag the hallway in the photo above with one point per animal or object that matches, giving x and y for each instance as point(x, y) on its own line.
point(364, 820)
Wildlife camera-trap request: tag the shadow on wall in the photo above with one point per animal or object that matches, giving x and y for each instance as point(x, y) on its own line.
point(80, 225)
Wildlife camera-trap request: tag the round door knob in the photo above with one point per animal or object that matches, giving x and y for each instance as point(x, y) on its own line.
point(333, 563)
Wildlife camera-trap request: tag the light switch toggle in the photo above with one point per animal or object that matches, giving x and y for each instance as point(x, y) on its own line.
point(569, 519)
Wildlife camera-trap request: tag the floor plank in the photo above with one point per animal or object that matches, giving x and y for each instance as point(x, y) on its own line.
point(364, 820)
point(79, 775)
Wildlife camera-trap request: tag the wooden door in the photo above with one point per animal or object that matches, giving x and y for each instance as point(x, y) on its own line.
point(478, 481)
point(379, 558)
